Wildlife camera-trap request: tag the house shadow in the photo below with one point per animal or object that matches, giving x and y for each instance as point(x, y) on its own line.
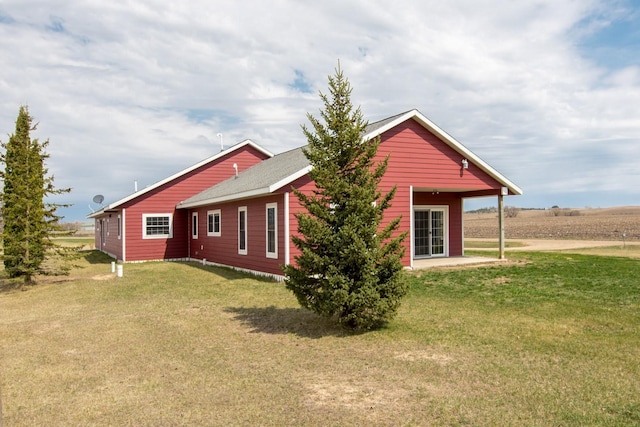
point(297, 321)
point(228, 273)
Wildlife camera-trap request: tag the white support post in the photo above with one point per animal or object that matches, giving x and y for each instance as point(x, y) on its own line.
point(501, 225)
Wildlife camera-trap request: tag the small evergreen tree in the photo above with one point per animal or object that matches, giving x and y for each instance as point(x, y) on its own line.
point(28, 220)
point(349, 266)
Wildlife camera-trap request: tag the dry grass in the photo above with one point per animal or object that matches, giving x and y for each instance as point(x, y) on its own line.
point(590, 224)
point(180, 344)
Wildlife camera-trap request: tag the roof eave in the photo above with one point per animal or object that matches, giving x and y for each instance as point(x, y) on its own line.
point(186, 171)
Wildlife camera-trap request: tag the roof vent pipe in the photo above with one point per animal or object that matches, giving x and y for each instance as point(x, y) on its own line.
point(221, 144)
point(235, 167)
point(135, 185)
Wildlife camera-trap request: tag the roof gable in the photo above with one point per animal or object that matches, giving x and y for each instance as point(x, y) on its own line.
point(146, 190)
point(282, 169)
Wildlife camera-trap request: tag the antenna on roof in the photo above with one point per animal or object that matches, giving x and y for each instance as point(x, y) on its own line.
point(219, 135)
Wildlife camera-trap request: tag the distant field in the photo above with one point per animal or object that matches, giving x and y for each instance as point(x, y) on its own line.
point(588, 224)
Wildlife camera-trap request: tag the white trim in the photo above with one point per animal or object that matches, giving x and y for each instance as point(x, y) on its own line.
point(246, 231)
point(157, 236)
point(462, 200)
point(273, 206)
point(124, 235)
point(119, 227)
point(411, 224)
point(290, 179)
point(214, 233)
point(194, 225)
point(287, 250)
point(246, 142)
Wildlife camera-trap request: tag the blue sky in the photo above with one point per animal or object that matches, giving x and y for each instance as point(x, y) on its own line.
point(547, 92)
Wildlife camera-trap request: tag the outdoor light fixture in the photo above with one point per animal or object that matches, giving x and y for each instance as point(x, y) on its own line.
point(465, 164)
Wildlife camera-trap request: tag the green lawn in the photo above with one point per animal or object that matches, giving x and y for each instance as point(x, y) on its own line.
point(547, 339)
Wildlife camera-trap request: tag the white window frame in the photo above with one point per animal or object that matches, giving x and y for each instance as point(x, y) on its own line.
point(241, 241)
point(119, 227)
point(157, 236)
point(274, 253)
point(212, 214)
point(194, 225)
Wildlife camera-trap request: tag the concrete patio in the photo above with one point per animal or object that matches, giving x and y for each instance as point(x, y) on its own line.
point(420, 264)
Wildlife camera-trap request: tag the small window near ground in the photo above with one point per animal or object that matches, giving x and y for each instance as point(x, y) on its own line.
point(214, 223)
point(194, 225)
point(272, 230)
point(242, 230)
point(157, 226)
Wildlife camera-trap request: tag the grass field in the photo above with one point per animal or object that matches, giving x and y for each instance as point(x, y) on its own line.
point(547, 339)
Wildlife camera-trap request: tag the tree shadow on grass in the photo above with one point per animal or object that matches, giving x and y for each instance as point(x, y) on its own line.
point(94, 256)
point(297, 321)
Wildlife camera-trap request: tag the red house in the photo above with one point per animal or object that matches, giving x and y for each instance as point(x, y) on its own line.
point(147, 226)
point(246, 221)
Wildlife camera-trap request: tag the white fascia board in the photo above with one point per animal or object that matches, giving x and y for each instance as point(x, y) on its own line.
point(290, 179)
point(227, 198)
point(450, 141)
point(184, 172)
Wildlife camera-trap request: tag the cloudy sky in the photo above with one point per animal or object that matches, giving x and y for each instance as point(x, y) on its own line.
point(546, 91)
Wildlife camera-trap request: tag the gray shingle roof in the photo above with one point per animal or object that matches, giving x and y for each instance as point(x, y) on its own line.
point(257, 179)
point(271, 174)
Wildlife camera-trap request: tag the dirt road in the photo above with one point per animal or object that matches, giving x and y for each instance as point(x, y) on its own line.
point(553, 245)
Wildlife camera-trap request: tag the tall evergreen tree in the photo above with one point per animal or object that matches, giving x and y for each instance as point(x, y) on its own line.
point(29, 221)
point(349, 266)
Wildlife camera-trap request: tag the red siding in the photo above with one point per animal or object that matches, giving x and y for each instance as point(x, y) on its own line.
point(223, 249)
point(163, 200)
point(106, 234)
point(419, 160)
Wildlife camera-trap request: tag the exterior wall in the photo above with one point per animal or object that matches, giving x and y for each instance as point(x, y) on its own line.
point(419, 164)
point(223, 249)
point(420, 159)
point(163, 200)
point(106, 234)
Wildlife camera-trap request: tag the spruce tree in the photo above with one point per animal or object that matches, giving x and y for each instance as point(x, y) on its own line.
point(29, 221)
point(349, 266)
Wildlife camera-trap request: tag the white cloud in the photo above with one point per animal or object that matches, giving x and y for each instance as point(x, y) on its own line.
point(140, 90)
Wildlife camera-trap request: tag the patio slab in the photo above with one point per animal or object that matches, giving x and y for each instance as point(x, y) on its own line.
point(420, 264)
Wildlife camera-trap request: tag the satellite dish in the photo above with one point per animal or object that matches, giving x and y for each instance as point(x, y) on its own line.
point(98, 199)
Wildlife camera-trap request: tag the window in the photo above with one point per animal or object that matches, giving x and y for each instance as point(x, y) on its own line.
point(213, 223)
point(156, 226)
point(119, 227)
point(242, 230)
point(194, 225)
point(272, 230)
